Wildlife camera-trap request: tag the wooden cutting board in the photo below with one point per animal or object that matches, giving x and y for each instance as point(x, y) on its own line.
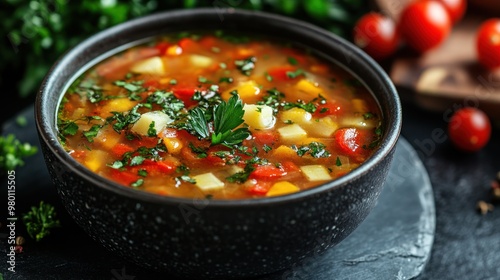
point(449, 76)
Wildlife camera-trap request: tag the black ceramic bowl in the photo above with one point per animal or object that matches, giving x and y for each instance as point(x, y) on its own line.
point(215, 239)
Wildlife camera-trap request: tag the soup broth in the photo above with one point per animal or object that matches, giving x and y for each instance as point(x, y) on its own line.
point(218, 116)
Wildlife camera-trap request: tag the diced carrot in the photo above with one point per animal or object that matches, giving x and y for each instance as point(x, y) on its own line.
point(280, 72)
point(267, 172)
point(119, 149)
point(264, 137)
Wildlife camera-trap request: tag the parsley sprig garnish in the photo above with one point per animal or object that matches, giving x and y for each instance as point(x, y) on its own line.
point(40, 220)
point(226, 117)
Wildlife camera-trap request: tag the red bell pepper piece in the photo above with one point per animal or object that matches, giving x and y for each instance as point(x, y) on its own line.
point(267, 172)
point(280, 72)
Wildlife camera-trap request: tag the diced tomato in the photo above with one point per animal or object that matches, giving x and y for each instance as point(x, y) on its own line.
point(188, 155)
point(264, 137)
point(260, 188)
point(280, 72)
point(289, 167)
point(148, 142)
point(188, 44)
point(162, 47)
point(124, 177)
point(267, 172)
point(352, 142)
point(185, 94)
point(119, 149)
point(157, 167)
point(329, 108)
point(208, 42)
point(151, 84)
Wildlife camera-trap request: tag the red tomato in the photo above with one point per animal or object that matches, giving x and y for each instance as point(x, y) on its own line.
point(267, 172)
point(376, 35)
point(280, 72)
point(352, 142)
point(469, 129)
point(456, 8)
point(424, 24)
point(260, 188)
point(488, 43)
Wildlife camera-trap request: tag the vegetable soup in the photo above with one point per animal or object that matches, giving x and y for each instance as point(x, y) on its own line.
point(218, 116)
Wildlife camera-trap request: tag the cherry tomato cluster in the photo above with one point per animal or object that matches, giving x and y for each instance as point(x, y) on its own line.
point(423, 25)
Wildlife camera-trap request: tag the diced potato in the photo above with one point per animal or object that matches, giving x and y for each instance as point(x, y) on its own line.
point(153, 65)
point(173, 145)
point(292, 133)
point(117, 105)
point(248, 91)
point(200, 60)
point(282, 188)
point(95, 159)
point(358, 121)
point(296, 115)
point(259, 116)
point(311, 89)
point(235, 169)
point(359, 105)
point(284, 152)
point(107, 137)
point(323, 127)
point(315, 172)
point(208, 182)
point(159, 118)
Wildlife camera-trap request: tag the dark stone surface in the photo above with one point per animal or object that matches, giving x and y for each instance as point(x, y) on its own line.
point(392, 243)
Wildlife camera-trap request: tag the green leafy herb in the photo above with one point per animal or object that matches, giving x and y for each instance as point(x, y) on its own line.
point(295, 74)
point(226, 80)
point(242, 176)
point(92, 132)
point(133, 88)
point(338, 162)
point(269, 78)
point(228, 116)
point(266, 148)
point(199, 122)
point(137, 183)
point(292, 60)
point(368, 116)
point(173, 82)
point(40, 221)
point(309, 107)
point(12, 152)
point(315, 149)
point(68, 128)
point(246, 65)
point(151, 129)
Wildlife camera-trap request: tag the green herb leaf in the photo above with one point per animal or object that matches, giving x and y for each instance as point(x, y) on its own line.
point(92, 132)
point(246, 65)
point(338, 162)
point(137, 183)
point(295, 74)
point(12, 152)
point(152, 130)
point(40, 221)
point(292, 60)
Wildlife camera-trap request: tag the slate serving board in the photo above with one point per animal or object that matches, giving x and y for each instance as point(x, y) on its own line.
point(394, 242)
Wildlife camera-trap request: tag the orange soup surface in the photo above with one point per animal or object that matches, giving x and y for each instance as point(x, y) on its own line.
point(218, 116)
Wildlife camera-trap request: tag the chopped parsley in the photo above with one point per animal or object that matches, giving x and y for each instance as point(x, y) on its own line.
point(246, 66)
point(292, 60)
point(314, 149)
point(338, 162)
point(295, 74)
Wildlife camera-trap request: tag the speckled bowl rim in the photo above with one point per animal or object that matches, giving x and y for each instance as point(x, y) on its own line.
point(47, 131)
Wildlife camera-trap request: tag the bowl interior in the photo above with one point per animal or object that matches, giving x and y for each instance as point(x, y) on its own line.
point(114, 40)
